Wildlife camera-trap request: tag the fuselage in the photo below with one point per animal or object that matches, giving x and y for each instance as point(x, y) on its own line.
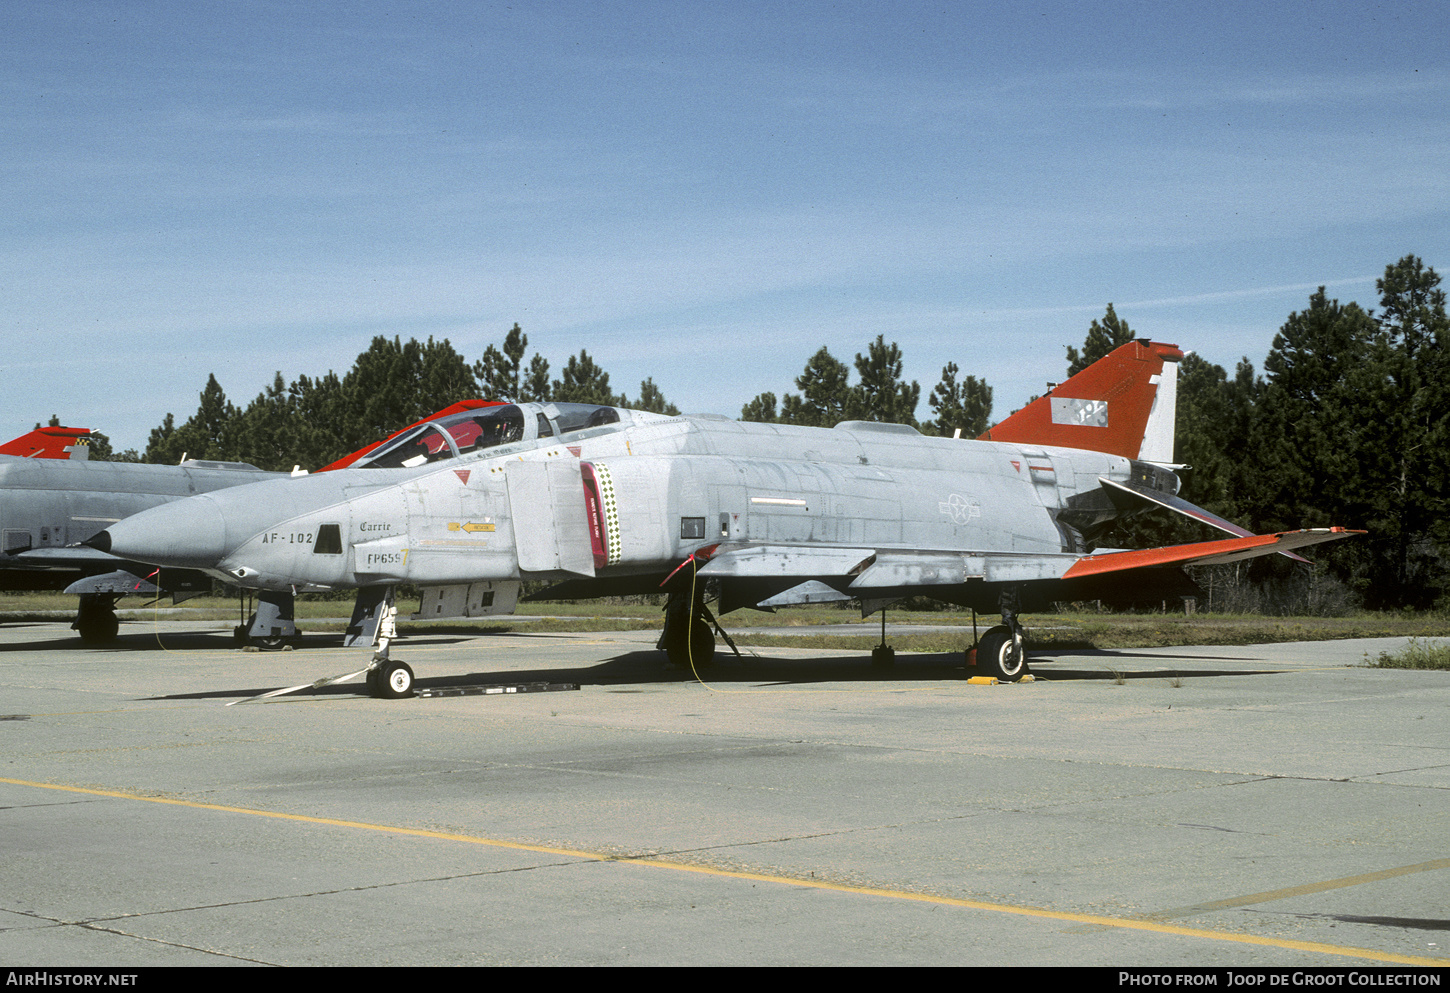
point(633, 497)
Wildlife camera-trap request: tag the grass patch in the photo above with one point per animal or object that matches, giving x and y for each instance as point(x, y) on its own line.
point(1416, 655)
point(1045, 632)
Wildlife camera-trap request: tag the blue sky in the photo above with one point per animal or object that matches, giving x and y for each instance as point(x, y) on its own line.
point(703, 193)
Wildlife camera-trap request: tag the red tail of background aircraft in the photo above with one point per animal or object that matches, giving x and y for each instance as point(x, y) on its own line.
point(49, 443)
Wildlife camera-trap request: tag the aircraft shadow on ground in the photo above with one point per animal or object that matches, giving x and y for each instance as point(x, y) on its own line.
point(1043, 655)
point(635, 671)
point(631, 669)
point(181, 641)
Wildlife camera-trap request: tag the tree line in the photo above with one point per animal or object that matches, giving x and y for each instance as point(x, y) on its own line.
point(1347, 425)
point(312, 422)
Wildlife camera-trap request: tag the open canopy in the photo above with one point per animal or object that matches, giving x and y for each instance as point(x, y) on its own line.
point(489, 427)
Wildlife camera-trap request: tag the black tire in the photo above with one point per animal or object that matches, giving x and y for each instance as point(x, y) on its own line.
point(701, 651)
point(374, 687)
point(883, 656)
point(394, 680)
point(1000, 654)
point(97, 626)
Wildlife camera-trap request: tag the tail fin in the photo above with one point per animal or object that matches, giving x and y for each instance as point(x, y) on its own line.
point(50, 443)
point(1122, 404)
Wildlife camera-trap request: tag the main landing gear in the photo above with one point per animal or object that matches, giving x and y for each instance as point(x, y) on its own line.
point(96, 621)
point(688, 637)
point(272, 626)
point(1001, 651)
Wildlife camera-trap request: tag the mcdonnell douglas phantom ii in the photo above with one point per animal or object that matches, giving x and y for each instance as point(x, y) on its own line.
point(609, 501)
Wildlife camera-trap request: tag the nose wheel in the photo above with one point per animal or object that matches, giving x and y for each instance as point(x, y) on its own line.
point(390, 680)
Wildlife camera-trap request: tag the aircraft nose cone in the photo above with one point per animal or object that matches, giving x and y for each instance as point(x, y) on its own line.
point(188, 533)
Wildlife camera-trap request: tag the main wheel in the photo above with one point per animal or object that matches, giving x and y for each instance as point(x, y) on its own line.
point(97, 625)
point(883, 656)
point(700, 650)
point(1000, 654)
point(394, 680)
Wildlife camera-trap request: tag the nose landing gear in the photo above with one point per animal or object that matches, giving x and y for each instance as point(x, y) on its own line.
point(387, 677)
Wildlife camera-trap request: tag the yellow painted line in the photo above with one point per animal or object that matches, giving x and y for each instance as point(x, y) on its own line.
point(1329, 884)
point(1371, 954)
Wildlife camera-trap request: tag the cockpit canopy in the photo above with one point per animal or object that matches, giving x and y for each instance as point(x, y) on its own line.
point(488, 427)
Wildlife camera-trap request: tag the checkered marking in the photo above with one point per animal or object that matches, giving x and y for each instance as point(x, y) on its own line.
point(611, 511)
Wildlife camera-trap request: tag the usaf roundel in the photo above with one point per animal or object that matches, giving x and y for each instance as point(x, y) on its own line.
point(960, 509)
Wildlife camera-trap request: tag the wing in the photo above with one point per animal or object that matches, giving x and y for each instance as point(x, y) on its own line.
point(778, 575)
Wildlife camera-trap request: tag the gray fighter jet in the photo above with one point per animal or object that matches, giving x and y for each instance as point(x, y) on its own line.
point(609, 501)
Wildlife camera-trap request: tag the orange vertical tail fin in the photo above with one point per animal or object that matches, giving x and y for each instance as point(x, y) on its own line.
point(50, 443)
point(1122, 404)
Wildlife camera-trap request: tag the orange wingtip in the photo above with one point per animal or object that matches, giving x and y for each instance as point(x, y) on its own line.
point(1204, 552)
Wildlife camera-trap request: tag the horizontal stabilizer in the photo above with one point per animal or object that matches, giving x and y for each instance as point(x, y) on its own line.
point(1181, 506)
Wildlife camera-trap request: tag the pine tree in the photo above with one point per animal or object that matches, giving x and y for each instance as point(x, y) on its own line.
point(583, 381)
point(203, 436)
point(964, 406)
point(825, 393)
point(651, 399)
point(1405, 425)
point(881, 394)
point(498, 372)
point(761, 409)
point(1102, 339)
